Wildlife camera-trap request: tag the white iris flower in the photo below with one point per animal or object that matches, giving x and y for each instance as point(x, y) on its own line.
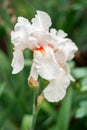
point(51, 51)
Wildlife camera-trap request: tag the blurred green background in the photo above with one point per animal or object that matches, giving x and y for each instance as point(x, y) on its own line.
point(16, 96)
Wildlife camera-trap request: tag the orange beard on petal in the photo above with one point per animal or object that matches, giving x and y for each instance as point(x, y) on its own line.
point(41, 49)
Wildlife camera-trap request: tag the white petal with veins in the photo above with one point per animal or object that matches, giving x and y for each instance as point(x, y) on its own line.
point(23, 20)
point(46, 64)
point(53, 32)
point(67, 70)
point(60, 57)
point(41, 21)
point(65, 51)
point(57, 37)
point(19, 37)
point(61, 34)
point(23, 24)
point(69, 49)
point(56, 89)
point(17, 62)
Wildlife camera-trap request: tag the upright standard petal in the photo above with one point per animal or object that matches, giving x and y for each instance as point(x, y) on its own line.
point(61, 34)
point(17, 62)
point(69, 48)
point(22, 40)
point(45, 63)
point(53, 32)
point(57, 37)
point(20, 34)
point(42, 21)
point(23, 23)
point(65, 51)
point(56, 89)
point(19, 37)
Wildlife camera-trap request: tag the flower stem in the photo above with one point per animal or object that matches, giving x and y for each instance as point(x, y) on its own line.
point(34, 111)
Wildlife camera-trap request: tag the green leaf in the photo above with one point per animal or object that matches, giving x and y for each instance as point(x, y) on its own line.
point(4, 114)
point(2, 88)
point(26, 122)
point(84, 84)
point(63, 117)
point(48, 109)
point(9, 125)
point(65, 112)
point(80, 72)
point(4, 64)
point(82, 110)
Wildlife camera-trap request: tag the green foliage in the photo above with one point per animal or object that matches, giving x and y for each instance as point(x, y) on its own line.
point(82, 110)
point(65, 112)
point(26, 122)
point(15, 95)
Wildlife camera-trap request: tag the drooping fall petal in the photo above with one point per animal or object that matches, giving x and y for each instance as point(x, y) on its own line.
point(56, 89)
point(46, 64)
point(17, 62)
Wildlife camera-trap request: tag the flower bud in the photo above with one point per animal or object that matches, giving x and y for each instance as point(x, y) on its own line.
point(33, 84)
point(13, 19)
point(40, 100)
